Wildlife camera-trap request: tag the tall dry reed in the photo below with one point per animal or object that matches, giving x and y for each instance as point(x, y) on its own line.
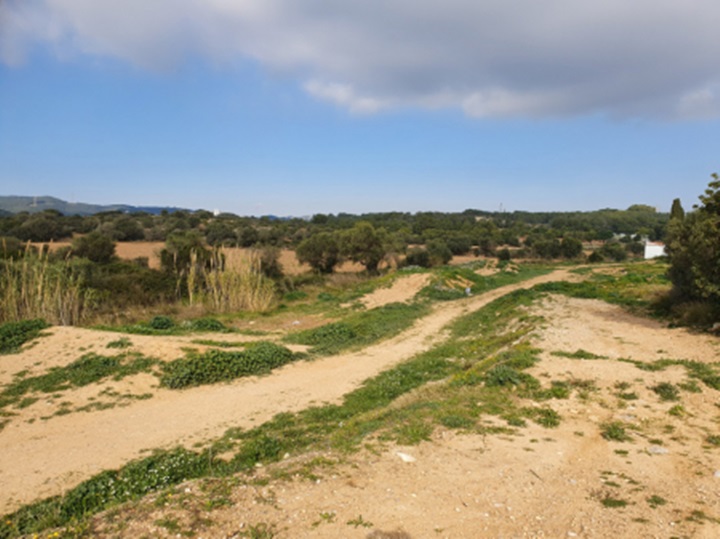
point(242, 287)
point(33, 286)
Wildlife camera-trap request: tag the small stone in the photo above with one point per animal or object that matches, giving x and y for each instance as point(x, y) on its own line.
point(405, 457)
point(717, 474)
point(657, 450)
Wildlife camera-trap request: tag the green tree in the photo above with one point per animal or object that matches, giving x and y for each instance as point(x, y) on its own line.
point(365, 244)
point(94, 246)
point(181, 248)
point(693, 246)
point(438, 252)
point(571, 247)
point(321, 251)
point(677, 211)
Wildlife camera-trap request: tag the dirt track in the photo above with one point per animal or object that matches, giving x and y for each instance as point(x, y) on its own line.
point(537, 483)
point(46, 457)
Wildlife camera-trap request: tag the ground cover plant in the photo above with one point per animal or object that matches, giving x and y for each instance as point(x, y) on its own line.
point(88, 369)
point(216, 366)
point(14, 334)
point(359, 328)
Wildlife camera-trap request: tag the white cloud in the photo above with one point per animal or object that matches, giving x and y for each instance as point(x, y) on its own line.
point(487, 57)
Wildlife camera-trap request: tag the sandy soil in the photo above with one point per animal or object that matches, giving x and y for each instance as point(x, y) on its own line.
point(41, 457)
point(535, 483)
point(401, 290)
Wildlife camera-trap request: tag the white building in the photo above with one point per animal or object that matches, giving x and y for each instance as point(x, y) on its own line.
point(654, 249)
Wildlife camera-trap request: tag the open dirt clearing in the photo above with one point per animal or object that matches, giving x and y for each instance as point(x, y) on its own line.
point(562, 482)
point(538, 483)
point(41, 457)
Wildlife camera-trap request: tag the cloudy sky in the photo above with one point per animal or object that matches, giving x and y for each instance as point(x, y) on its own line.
point(294, 107)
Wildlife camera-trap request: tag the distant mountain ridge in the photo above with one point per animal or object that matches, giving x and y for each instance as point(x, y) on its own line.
point(35, 204)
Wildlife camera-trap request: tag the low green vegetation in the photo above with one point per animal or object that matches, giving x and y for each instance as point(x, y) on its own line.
point(216, 366)
point(165, 325)
point(14, 334)
point(359, 328)
point(90, 368)
point(578, 354)
point(614, 431)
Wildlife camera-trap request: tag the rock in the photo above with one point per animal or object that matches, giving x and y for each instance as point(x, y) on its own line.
point(657, 450)
point(405, 457)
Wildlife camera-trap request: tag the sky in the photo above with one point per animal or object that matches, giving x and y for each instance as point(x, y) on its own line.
point(297, 107)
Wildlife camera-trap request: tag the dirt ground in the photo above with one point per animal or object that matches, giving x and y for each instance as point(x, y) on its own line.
point(536, 483)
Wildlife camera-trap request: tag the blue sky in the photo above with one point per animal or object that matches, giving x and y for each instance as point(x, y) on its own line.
point(298, 107)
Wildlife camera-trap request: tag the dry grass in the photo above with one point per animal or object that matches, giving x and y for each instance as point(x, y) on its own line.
point(240, 287)
point(35, 287)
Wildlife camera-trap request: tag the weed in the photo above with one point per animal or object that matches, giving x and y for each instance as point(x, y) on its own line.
point(615, 431)
point(691, 386)
point(122, 342)
point(545, 417)
point(655, 501)
point(89, 369)
point(326, 517)
point(259, 531)
point(713, 439)
point(610, 502)
point(359, 521)
point(666, 391)
point(631, 396)
point(578, 354)
point(678, 411)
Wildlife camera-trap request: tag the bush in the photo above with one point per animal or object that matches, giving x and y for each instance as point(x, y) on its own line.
point(161, 322)
point(219, 366)
point(14, 334)
point(207, 324)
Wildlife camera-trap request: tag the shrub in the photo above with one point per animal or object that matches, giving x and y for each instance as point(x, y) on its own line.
point(161, 322)
point(218, 366)
point(14, 334)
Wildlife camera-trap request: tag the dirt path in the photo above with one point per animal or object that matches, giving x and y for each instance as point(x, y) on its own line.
point(561, 482)
point(46, 457)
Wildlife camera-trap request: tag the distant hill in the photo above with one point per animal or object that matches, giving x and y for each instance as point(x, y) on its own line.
point(17, 204)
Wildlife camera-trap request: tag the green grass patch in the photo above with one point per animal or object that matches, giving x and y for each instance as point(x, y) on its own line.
point(666, 391)
point(613, 503)
point(615, 432)
point(359, 328)
point(14, 334)
point(89, 369)
point(578, 354)
point(216, 366)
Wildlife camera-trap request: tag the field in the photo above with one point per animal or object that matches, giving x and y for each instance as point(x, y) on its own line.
point(235, 255)
point(548, 403)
